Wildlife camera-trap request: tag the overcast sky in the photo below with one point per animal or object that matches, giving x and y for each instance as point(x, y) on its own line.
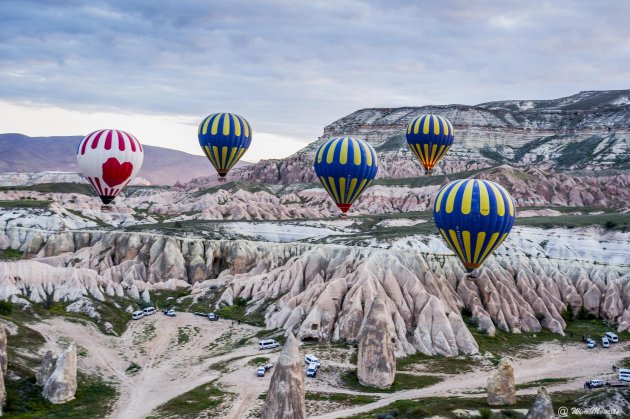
point(290, 67)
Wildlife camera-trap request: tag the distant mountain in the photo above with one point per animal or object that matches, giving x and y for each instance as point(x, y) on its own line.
point(162, 166)
point(589, 130)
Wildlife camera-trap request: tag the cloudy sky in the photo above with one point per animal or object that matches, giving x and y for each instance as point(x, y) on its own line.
point(290, 67)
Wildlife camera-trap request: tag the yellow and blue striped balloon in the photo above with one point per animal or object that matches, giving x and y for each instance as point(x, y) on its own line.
point(429, 137)
point(474, 217)
point(224, 138)
point(346, 167)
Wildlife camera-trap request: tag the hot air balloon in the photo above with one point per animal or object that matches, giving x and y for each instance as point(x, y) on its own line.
point(224, 138)
point(474, 216)
point(346, 167)
point(109, 159)
point(429, 137)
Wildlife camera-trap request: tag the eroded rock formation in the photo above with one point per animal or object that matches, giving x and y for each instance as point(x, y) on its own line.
point(501, 387)
point(45, 369)
point(4, 359)
point(542, 407)
point(376, 362)
point(61, 385)
point(286, 397)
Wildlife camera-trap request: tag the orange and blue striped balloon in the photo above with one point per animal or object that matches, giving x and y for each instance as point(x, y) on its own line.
point(429, 137)
point(346, 167)
point(474, 217)
point(224, 138)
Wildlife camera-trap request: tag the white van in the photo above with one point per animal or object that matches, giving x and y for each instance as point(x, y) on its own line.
point(312, 360)
point(268, 344)
point(149, 310)
point(612, 337)
point(605, 342)
point(624, 374)
point(137, 315)
point(597, 383)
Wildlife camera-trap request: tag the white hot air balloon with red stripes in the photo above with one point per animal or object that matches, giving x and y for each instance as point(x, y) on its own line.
point(109, 159)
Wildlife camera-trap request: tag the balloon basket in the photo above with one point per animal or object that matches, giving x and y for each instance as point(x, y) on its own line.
point(429, 172)
point(221, 179)
point(471, 276)
point(106, 208)
point(343, 216)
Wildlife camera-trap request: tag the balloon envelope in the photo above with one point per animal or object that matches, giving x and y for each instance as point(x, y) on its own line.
point(346, 167)
point(109, 159)
point(429, 137)
point(224, 138)
point(474, 217)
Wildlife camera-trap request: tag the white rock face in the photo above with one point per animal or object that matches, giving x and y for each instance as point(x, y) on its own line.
point(61, 385)
point(46, 368)
point(325, 291)
point(376, 362)
point(3, 392)
point(286, 397)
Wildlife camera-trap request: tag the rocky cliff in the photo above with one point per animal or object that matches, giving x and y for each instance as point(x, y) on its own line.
point(589, 130)
point(326, 291)
point(60, 385)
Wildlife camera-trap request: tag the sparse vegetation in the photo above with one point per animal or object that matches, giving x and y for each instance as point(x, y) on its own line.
point(94, 398)
point(204, 399)
point(542, 382)
point(342, 398)
point(11, 254)
point(436, 364)
point(401, 382)
point(133, 369)
point(259, 360)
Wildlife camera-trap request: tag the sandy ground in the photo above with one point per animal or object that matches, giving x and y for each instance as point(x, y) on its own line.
point(169, 368)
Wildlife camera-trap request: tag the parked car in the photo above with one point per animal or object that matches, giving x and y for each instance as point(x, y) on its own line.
point(612, 337)
point(605, 343)
point(597, 383)
point(624, 374)
point(312, 360)
point(590, 343)
point(137, 315)
point(263, 369)
point(268, 344)
point(171, 313)
point(199, 313)
point(213, 317)
point(149, 311)
point(311, 371)
point(166, 310)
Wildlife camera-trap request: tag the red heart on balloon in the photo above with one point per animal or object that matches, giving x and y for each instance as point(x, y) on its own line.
point(115, 173)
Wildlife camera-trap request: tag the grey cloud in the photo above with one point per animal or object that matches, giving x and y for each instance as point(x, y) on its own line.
point(293, 66)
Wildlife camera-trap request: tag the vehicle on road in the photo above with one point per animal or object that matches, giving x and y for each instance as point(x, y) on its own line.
point(213, 317)
point(311, 371)
point(171, 313)
point(268, 344)
point(597, 383)
point(263, 369)
point(137, 315)
point(149, 311)
point(612, 337)
point(199, 313)
point(624, 374)
point(605, 342)
point(312, 360)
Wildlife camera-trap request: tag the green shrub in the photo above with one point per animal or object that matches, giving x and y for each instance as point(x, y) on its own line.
point(485, 413)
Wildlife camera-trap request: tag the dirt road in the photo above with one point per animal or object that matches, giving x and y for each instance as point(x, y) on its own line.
point(174, 355)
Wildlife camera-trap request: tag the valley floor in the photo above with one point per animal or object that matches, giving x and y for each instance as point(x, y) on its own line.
point(160, 358)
